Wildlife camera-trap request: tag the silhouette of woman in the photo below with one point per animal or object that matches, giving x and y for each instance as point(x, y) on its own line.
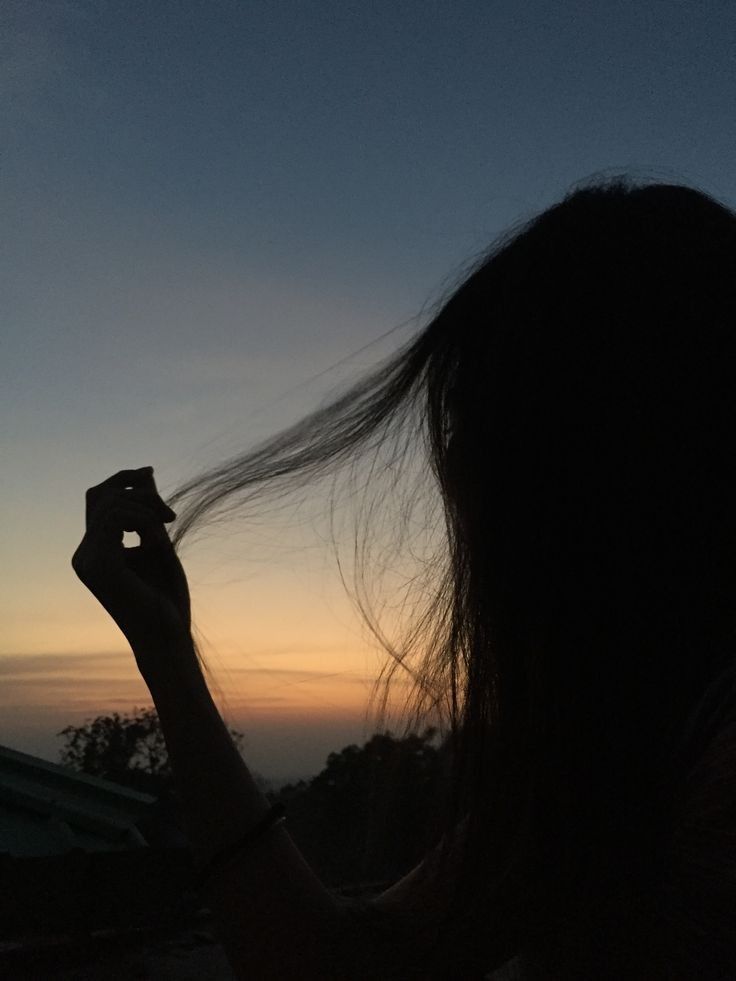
point(576, 396)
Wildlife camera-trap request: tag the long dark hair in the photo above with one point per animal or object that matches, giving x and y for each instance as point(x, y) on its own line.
point(574, 399)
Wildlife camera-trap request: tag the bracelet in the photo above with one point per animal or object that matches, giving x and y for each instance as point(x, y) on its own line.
point(275, 816)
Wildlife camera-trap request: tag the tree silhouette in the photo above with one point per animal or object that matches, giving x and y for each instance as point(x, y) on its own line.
point(128, 749)
point(366, 817)
point(369, 814)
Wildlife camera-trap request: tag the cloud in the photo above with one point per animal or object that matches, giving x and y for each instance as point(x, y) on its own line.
point(12, 665)
point(59, 683)
point(63, 685)
point(98, 683)
point(298, 676)
point(291, 717)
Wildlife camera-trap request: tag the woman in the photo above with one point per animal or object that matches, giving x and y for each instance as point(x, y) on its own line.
point(576, 397)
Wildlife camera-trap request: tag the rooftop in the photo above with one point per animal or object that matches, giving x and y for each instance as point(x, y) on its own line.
point(49, 809)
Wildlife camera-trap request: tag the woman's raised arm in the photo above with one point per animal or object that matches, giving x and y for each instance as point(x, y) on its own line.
point(276, 918)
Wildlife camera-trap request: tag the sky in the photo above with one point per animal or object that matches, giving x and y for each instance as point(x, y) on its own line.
point(210, 209)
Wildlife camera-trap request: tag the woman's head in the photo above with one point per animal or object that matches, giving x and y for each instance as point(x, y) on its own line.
point(580, 382)
point(582, 416)
point(576, 398)
point(581, 403)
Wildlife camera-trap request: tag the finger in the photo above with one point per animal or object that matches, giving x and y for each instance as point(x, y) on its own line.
point(142, 477)
point(101, 554)
point(129, 516)
point(112, 498)
point(150, 498)
point(131, 482)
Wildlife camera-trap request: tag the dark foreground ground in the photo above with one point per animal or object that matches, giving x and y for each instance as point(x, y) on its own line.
point(189, 954)
point(104, 916)
point(166, 955)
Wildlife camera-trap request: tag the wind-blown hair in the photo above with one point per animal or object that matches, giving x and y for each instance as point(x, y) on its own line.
point(576, 401)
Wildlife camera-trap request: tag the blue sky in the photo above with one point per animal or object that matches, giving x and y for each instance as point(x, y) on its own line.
point(207, 204)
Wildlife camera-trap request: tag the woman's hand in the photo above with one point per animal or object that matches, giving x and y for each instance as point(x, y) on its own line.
point(144, 589)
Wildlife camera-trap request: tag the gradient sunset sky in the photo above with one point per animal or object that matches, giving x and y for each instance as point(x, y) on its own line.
point(205, 206)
